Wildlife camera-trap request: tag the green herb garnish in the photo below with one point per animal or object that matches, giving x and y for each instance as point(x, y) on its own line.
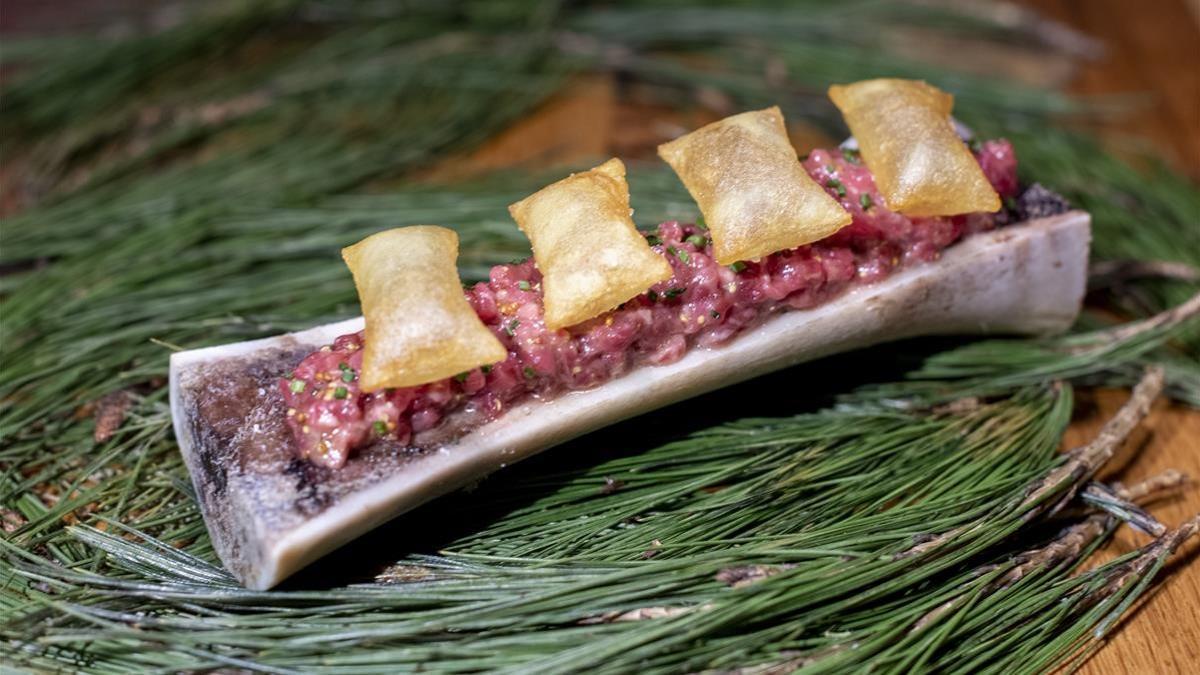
point(380, 427)
point(341, 392)
point(837, 186)
point(297, 385)
point(681, 254)
point(524, 285)
point(530, 373)
point(697, 240)
point(511, 328)
point(865, 201)
point(738, 266)
point(673, 292)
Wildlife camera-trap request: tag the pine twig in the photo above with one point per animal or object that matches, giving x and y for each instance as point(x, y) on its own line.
point(1067, 546)
point(1070, 543)
point(1127, 331)
point(1075, 538)
point(1124, 502)
point(1111, 502)
point(1109, 273)
point(1081, 464)
point(1141, 569)
point(1154, 487)
point(1084, 461)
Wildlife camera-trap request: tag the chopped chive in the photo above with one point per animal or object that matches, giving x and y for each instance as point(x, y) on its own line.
point(462, 377)
point(297, 386)
point(511, 328)
point(530, 373)
point(715, 314)
point(524, 285)
point(697, 241)
point(681, 254)
point(653, 239)
point(700, 223)
point(865, 201)
point(341, 392)
point(486, 369)
point(380, 427)
point(348, 376)
point(652, 295)
point(738, 266)
point(673, 292)
point(829, 168)
point(836, 185)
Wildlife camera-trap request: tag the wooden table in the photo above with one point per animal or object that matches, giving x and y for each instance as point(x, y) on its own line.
point(593, 120)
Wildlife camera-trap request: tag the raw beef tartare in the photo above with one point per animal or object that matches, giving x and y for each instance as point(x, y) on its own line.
point(704, 304)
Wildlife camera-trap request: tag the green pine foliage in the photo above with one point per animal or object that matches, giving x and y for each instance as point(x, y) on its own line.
point(193, 186)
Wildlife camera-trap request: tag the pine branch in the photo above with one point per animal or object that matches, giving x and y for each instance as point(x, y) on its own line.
point(192, 187)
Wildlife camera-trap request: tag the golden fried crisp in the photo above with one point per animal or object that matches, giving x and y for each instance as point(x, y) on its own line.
point(420, 327)
point(755, 196)
point(591, 256)
point(921, 166)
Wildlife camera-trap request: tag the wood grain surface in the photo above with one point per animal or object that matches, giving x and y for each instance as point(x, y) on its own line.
point(1154, 54)
point(1152, 49)
point(1151, 56)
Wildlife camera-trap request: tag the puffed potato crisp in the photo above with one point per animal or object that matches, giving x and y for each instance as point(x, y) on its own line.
point(906, 137)
point(420, 327)
point(591, 256)
point(755, 196)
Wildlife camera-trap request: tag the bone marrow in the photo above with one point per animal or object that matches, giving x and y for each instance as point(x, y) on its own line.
point(700, 304)
point(298, 443)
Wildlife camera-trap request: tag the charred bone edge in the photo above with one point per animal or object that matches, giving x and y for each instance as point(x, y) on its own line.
point(1027, 278)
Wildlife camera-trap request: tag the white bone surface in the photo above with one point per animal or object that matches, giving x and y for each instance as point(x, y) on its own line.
point(1027, 278)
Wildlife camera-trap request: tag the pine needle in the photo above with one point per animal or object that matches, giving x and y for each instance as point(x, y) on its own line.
point(192, 187)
